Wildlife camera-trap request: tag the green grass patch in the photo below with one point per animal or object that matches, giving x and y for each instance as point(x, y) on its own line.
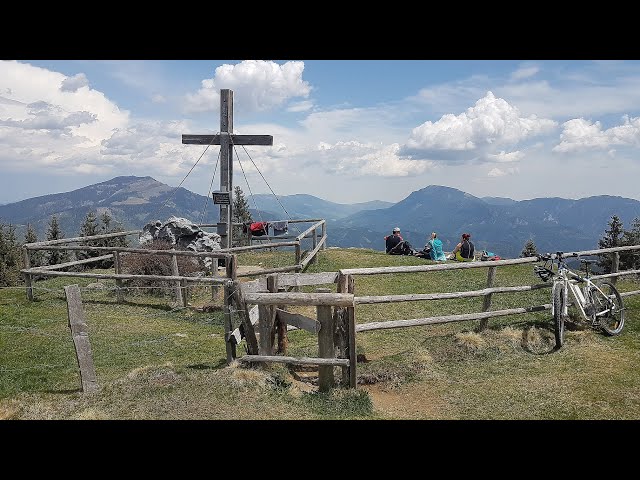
point(155, 359)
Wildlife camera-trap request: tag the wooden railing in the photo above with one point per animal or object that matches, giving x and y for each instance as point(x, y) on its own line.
point(343, 324)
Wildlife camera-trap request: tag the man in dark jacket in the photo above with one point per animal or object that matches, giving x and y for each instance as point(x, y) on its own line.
point(396, 245)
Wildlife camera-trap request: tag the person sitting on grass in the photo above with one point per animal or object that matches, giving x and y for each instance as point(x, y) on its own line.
point(434, 247)
point(396, 245)
point(464, 250)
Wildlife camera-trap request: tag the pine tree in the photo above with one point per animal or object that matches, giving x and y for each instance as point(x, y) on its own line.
point(35, 256)
point(55, 233)
point(241, 214)
point(10, 258)
point(89, 228)
point(529, 249)
point(631, 260)
point(612, 238)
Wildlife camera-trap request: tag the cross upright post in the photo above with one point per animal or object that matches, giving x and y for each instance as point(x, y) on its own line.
point(226, 139)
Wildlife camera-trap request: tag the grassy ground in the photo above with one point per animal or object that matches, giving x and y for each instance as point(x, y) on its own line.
point(158, 362)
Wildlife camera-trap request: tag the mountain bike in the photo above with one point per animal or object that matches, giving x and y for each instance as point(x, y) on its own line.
point(599, 304)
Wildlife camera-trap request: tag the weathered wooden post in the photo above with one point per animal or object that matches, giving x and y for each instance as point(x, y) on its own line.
point(80, 334)
point(228, 326)
point(27, 276)
point(265, 328)
point(241, 307)
point(176, 273)
point(118, 269)
point(325, 343)
point(314, 244)
point(615, 264)
point(341, 328)
point(185, 293)
point(324, 234)
point(351, 314)
point(486, 303)
point(280, 324)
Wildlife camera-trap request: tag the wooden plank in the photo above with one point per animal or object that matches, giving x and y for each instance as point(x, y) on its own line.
point(261, 246)
point(265, 326)
point(237, 334)
point(627, 294)
point(78, 262)
point(486, 302)
point(295, 360)
point(294, 298)
point(412, 297)
point(299, 321)
point(615, 264)
point(309, 230)
point(280, 326)
point(269, 270)
point(123, 276)
point(435, 268)
point(80, 334)
point(230, 342)
point(118, 269)
point(183, 253)
point(341, 328)
point(618, 274)
point(235, 139)
point(300, 279)
point(351, 311)
point(176, 273)
point(311, 255)
point(416, 322)
point(325, 343)
point(27, 276)
point(254, 285)
point(39, 245)
point(247, 325)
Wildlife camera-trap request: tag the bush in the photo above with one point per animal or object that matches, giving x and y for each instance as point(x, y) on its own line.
point(155, 264)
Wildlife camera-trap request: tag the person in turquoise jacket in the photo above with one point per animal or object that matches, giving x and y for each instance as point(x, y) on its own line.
point(434, 246)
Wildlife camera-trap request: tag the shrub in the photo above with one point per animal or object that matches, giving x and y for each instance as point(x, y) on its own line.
point(155, 264)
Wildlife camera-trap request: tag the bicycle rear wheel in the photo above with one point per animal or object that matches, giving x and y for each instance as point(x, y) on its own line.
point(609, 308)
point(558, 315)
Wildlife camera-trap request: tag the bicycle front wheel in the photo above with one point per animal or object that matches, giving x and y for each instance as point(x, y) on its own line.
point(558, 315)
point(609, 309)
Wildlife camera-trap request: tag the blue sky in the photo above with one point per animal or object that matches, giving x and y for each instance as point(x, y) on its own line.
point(346, 130)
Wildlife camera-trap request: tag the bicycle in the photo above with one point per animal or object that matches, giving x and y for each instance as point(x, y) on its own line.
point(600, 304)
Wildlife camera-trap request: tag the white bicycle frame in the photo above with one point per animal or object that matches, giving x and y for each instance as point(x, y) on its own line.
point(579, 294)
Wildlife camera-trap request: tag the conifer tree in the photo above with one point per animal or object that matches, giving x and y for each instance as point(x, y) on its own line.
point(612, 238)
point(241, 214)
point(54, 232)
point(529, 249)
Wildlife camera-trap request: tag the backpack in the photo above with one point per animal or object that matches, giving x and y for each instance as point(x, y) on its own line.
point(489, 256)
point(258, 228)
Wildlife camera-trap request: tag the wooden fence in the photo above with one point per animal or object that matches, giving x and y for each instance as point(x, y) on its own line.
point(343, 326)
point(231, 272)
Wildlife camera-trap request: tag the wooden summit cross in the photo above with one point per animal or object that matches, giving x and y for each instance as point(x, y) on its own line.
point(226, 139)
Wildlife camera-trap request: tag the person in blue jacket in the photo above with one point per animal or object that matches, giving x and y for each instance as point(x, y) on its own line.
point(434, 246)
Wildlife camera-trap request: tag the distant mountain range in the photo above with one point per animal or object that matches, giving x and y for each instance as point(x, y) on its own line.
point(501, 225)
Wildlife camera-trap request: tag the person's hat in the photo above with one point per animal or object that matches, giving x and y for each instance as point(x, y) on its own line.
point(397, 229)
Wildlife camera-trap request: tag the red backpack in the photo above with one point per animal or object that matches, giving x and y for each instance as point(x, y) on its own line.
point(258, 228)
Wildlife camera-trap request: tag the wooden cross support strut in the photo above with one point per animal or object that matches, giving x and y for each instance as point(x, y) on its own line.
point(226, 139)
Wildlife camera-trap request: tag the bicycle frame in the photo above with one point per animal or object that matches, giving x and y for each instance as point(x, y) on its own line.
point(565, 277)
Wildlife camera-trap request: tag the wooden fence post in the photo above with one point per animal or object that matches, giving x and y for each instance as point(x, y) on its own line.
point(27, 276)
point(324, 234)
point(80, 334)
point(486, 303)
point(265, 327)
point(175, 272)
point(118, 269)
point(241, 307)
point(280, 324)
point(228, 326)
point(615, 264)
point(185, 293)
point(314, 243)
point(351, 314)
point(341, 326)
point(214, 268)
point(325, 343)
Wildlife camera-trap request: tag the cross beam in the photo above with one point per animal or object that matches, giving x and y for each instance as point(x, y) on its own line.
point(226, 139)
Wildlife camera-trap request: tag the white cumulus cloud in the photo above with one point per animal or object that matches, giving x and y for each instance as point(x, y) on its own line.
point(72, 84)
point(579, 134)
point(525, 71)
point(258, 85)
point(492, 122)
